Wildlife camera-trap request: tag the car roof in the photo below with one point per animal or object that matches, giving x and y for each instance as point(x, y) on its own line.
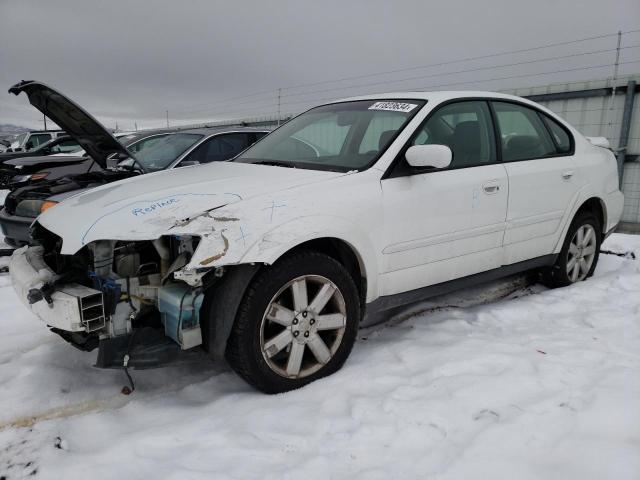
point(435, 96)
point(223, 129)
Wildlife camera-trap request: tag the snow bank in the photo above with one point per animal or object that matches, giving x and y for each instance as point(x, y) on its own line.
point(539, 384)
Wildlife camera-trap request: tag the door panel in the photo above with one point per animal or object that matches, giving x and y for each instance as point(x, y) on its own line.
point(541, 184)
point(539, 198)
point(446, 224)
point(442, 225)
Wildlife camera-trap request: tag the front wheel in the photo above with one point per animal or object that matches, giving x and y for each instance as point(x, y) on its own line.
point(297, 323)
point(579, 255)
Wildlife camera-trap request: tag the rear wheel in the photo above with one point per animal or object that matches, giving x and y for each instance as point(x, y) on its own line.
point(579, 255)
point(297, 323)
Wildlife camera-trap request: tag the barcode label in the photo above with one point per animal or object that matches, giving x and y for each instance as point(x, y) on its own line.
point(393, 106)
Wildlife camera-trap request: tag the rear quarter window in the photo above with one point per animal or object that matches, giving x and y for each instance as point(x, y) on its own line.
point(560, 135)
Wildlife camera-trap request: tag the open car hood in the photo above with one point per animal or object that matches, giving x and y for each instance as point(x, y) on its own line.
point(72, 118)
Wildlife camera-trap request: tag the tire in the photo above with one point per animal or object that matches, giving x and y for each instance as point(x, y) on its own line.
point(274, 332)
point(562, 273)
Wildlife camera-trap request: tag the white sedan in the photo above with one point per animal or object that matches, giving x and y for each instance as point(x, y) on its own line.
point(343, 214)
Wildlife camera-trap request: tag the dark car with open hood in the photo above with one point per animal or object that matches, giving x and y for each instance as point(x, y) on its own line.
point(21, 172)
point(175, 149)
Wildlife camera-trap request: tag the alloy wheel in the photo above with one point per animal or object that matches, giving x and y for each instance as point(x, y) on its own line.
point(303, 326)
point(582, 251)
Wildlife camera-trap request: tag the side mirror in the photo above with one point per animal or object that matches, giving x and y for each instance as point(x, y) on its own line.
point(189, 163)
point(28, 145)
point(435, 156)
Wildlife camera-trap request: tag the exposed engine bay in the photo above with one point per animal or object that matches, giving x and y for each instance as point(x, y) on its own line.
point(48, 188)
point(122, 289)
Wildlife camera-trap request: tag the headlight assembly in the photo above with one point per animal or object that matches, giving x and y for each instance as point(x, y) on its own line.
point(29, 208)
point(33, 208)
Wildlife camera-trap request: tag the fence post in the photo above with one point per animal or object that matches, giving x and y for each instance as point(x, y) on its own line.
point(625, 126)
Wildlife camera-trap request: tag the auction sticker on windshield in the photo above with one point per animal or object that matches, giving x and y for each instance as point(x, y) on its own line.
point(393, 106)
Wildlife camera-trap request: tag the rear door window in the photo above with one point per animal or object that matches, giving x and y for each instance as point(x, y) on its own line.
point(523, 136)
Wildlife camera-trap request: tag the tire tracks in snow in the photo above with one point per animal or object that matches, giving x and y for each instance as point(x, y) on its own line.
point(509, 288)
point(111, 403)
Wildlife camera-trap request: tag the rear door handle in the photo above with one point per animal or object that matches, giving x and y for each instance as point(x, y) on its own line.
point(491, 188)
point(567, 175)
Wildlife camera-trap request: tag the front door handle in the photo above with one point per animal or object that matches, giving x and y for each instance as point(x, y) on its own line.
point(567, 175)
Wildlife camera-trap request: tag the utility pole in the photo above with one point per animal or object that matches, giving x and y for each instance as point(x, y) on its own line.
point(167, 118)
point(616, 65)
point(135, 125)
point(279, 96)
point(45, 121)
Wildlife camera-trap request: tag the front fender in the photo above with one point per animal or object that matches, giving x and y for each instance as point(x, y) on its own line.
point(228, 243)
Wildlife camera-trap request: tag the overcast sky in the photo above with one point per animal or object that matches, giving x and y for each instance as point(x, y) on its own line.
point(129, 61)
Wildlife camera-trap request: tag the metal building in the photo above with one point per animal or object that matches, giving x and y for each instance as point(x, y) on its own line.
point(603, 108)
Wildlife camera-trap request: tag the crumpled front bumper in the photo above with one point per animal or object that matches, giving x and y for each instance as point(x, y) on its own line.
point(73, 307)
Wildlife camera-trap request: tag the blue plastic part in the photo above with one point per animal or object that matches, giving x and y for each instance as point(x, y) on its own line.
point(110, 291)
point(174, 297)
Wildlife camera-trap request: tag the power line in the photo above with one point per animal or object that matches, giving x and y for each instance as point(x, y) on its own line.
point(473, 82)
point(261, 103)
point(478, 69)
point(423, 87)
point(467, 59)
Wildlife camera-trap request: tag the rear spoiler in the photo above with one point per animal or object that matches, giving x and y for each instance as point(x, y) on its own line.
point(599, 142)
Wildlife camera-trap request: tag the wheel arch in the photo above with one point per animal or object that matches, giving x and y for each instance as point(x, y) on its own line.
point(596, 206)
point(333, 236)
point(343, 252)
point(585, 200)
point(222, 302)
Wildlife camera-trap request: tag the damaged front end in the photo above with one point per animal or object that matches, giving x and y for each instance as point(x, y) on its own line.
point(132, 300)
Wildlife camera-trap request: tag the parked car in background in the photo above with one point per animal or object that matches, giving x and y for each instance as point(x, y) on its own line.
point(345, 212)
point(34, 139)
point(61, 144)
point(110, 160)
point(20, 172)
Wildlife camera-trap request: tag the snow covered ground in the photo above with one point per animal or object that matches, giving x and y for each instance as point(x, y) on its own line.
point(537, 384)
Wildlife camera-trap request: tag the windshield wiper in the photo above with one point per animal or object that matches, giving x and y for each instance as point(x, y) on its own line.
point(275, 163)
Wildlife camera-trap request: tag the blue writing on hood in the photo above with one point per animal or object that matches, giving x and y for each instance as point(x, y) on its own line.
point(152, 207)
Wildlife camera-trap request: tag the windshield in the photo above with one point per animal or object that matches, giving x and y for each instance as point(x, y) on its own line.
point(341, 136)
point(164, 151)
